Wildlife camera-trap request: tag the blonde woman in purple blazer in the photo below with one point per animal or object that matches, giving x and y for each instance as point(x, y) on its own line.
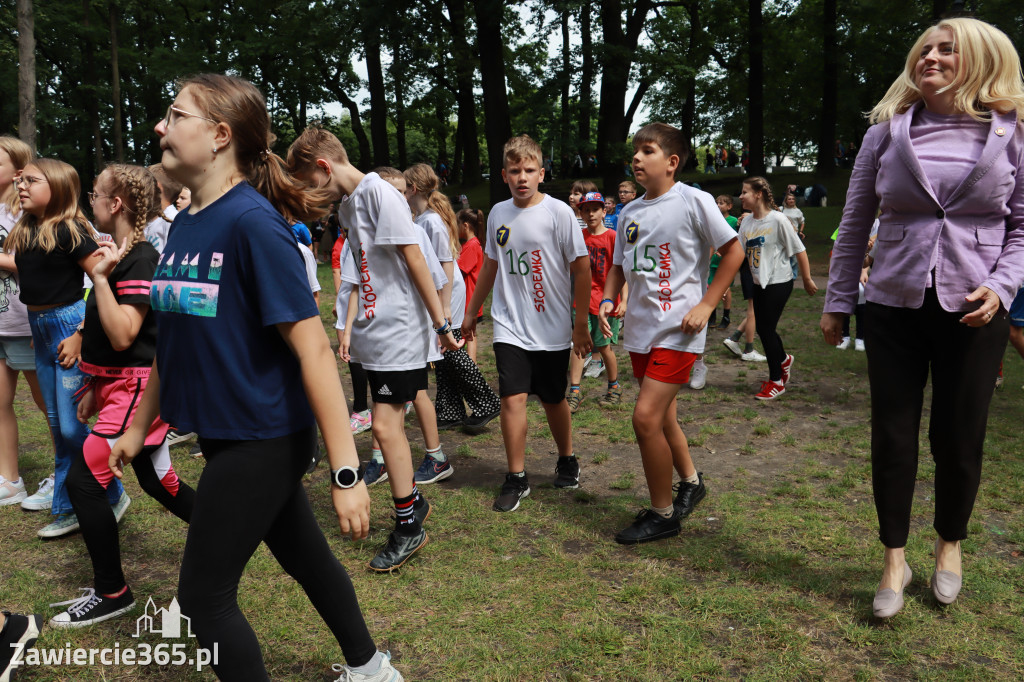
point(944, 163)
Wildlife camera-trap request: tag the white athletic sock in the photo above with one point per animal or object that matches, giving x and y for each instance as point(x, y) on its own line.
point(695, 479)
point(437, 454)
point(378, 456)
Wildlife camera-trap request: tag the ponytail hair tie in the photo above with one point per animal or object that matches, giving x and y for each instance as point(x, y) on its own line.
point(265, 154)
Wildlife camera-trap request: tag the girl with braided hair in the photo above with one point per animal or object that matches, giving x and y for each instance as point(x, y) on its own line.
point(118, 345)
point(770, 241)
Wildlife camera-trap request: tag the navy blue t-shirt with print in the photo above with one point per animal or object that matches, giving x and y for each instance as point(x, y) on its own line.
point(228, 274)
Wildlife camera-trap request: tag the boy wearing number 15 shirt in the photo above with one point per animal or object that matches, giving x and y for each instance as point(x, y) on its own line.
point(533, 244)
point(662, 253)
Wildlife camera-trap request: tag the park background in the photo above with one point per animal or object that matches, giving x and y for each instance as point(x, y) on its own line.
point(773, 575)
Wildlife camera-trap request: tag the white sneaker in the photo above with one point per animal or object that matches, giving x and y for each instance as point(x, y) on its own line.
point(121, 506)
point(754, 356)
point(858, 345)
point(844, 344)
point(43, 498)
point(11, 492)
point(595, 369)
point(734, 347)
point(698, 375)
point(386, 672)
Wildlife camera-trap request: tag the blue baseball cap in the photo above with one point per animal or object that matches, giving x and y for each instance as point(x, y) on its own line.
point(592, 198)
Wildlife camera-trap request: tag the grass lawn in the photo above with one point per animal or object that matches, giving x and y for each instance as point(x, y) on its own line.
point(772, 577)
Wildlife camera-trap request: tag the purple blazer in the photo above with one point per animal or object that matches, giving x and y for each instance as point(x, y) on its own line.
point(976, 236)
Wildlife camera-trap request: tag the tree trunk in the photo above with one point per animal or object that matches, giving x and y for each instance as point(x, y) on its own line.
point(689, 110)
point(755, 90)
point(616, 61)
point(26, 73)
point(115, 78)
point(442, 132)
point(465, 59)
point(566, 77)
point(378, 100)
point(457, 155)
point(497, 124)
point(331, 83)
point(398, 76)
point(88, 93)
point(586, 106)
point(829, 92)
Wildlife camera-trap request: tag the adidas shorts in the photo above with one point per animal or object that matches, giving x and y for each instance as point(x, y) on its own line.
point(397, 387)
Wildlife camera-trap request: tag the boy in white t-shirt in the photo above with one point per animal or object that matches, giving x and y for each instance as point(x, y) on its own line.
point(663, 252)
point(396, 301)
point(533, 244)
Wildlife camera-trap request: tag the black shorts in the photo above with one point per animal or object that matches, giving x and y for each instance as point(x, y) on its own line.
point(398, 387)
point(746, 281)
point(541, 372)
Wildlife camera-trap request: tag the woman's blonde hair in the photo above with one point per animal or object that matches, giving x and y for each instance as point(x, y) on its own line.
point(237, 103)
point(427, 184)
point(137, 188)
point(989, 77)
point(62, 209)
point(20, 154)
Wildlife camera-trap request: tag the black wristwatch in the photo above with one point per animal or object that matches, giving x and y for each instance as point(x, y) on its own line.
point(347, 477)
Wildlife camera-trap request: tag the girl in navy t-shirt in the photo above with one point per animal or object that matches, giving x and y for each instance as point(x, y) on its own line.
point(243, 360)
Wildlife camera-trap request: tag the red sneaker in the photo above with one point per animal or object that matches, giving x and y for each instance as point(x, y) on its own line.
point(770, 390)
point(787, 366)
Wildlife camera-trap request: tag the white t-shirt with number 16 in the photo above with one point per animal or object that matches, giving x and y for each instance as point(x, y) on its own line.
point(532, 295)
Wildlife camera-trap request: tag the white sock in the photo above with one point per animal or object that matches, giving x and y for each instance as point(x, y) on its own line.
point(371, 666)
point(695, 479)
point(437, 454)
point(664, 512)
point(378, 456)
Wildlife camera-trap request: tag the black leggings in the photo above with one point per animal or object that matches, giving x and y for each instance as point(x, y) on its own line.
point(458, 379)
point(858, 312)
point(768, 306)
point(96, 517)
point(359, 386)
point(251, 492)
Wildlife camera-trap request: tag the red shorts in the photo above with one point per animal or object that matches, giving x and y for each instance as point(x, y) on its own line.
point(664, 365)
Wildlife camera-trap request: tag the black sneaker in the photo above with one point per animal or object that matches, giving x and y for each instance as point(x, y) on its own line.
point(688, 495)
point(724, 324)
point(476, 424)
point(514, 489)
point(19, 633)
point(398, 549)
point(446, 424)
point(421, 509)
point(92, 608)
point(649, 526)
point(567, 472)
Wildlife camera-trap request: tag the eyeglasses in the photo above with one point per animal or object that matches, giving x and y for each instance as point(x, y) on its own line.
point(93, 196)
point(27, 180)
point(169, 119)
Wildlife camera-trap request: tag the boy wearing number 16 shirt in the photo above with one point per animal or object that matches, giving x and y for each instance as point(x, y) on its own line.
point(533, 244)
point(662, 253)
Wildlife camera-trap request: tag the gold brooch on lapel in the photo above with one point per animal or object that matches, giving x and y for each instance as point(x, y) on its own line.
point(1000, 131)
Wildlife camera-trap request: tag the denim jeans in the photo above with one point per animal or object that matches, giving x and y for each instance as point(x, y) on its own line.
point(58, 385)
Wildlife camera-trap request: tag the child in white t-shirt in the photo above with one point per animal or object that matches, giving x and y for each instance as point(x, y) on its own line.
point(663, 253)
point(533, 245)
point(396, 302)
point(770, 241)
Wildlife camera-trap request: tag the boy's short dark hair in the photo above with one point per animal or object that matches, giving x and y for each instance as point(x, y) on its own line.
point(583, 186)
point(669, 138)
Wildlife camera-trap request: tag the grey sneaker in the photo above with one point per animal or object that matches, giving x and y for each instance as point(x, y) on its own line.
point(574, 398)
point(65, 524)
point(121, 506)
point(42, 498)
point(386, 672)
point(733, 346)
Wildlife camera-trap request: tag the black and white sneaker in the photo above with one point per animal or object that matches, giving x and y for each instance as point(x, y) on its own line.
point(514, 489)
point(92, 608)
point(398, 549)
point(18, 634)
point(567, 472)
point(648, 527)
point(174, 437)
point(476, 424)
point(688, 495)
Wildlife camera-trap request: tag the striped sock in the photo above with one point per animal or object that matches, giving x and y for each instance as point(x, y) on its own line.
point(404, 507)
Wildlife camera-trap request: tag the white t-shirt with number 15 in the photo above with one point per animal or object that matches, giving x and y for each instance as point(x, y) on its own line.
point(663, 247)
point(532, 295)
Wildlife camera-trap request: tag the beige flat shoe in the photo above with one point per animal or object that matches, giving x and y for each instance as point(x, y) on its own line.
point(888, 602)
point(946, 584)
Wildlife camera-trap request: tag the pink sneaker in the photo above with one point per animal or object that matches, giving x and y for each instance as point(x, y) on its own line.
point(361, 421)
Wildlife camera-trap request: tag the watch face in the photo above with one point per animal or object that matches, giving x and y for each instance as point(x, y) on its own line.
point(345, 477)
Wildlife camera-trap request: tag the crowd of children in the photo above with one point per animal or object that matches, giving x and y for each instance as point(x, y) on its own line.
point(184, 282)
